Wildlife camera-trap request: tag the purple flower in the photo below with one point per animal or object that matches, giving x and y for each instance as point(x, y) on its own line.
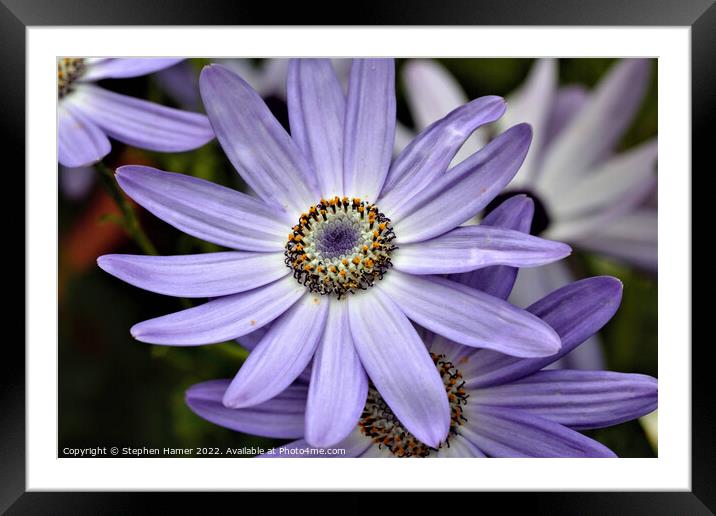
point(267, 78)
point(500, 406)
point(338, 249)
point(590, 196)
point(75, 183)
point(88, 114)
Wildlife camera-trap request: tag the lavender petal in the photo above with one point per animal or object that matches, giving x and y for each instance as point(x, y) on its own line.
point(144, 124)
point(125, 67)
point(196, 275)
point(468, 316)
point(281, 356)
point(80, 142)
point(255, 143)
point(205, 210)
point(577, 399)
point(403, 372)
point(316, 108)
point(428, 156)
point(338, 386)
point(224, 318)
point(473, 247)
point(514, 213)
point(463, 191)
point(576, 312)
point(369, 129)
point(596, 128)
point(502, 432)
point(280, 417)
point(568, 101)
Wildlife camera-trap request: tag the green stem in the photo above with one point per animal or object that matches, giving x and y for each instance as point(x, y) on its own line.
point(131, 221)
point(231, 350)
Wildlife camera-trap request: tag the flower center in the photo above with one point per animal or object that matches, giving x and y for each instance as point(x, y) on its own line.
point(69, 69)
point(340, 246)
point(380, 424)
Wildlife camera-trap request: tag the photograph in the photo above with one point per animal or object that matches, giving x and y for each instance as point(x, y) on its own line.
point(364, 257)
point(452, 232)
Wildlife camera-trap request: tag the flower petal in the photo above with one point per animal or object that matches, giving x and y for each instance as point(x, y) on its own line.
point(196, 275)
point(431, 91)
point(531, 104)
point(339, 385)
point(254, 74)
point(469, 316)
point(282, 354)
point(181, 83)
point(255, 143)
point(588, 355)
point(607, 184)
point(454, 352)
point(399, 366)
point(514, 213)
point(502, 432)
point(463, 191)
point(355, 445)
point(534, 284)
point(224, 318)
point(634, 239)
point(576, 228)
point(578, 399)
point(597, 126)
point(143, 124)
point(429, 154)
point(576, 312)
point(474, 247)
point(280, 417)
point(124, 67)
point(273, 77)
point(205, 210)
point(251, 340)
point(568, 101)
point(76, 183)
point(316, 109)
point(460, 447)
point(80, 142)
point(369, 127)
point(403, 137)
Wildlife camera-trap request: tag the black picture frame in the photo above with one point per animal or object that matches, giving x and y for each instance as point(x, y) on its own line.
point(17, 15)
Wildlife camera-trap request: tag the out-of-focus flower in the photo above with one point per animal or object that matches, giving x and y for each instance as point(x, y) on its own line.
point(650, 424)
point(500, 406)
point(267, 78)
point(88, 114)
point(76, 182)
point(319, 245)
point(585, 194)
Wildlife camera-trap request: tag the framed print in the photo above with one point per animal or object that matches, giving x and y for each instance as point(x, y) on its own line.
point(458, 233)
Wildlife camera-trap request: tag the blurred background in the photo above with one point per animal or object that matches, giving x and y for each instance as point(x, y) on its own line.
point(115, 391)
